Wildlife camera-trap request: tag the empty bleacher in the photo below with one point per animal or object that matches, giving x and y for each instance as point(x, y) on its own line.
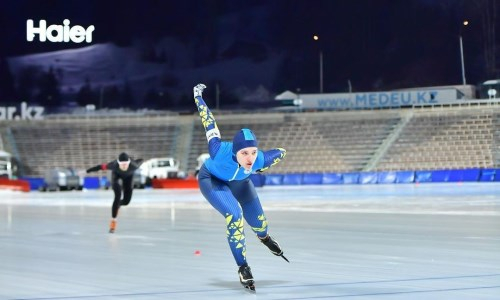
point(315, 142)
point(83, 142)
point(347, 141)
point(443, 139)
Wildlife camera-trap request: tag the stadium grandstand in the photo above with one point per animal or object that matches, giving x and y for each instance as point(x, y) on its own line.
point(415, 138)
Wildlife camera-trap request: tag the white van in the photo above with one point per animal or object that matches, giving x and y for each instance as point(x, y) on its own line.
point(6, 165)
point(201, 159)
point(162, 167)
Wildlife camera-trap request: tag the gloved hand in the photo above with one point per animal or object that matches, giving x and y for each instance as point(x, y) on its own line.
point(198, 89)
point(93, 169)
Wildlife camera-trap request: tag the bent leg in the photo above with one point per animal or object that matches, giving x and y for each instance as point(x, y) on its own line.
point(117, 189)
point(245, 192)
point(127, 191)
point(220, 197)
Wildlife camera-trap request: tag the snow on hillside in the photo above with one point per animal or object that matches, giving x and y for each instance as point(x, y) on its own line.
point(107, 64)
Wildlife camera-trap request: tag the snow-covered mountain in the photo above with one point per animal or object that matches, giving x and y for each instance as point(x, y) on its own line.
point(235, 57)
point(105, 65)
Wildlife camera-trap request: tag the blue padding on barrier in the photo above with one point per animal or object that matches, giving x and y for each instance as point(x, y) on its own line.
point(258, 180)
point(312, 178)
point(386, 177)
point(440, 175)
point(423, 176)
point(35, 182)
point(91, 183)
point(464, 175)
point(274, 179)
point(487, 175)
point(367, 177)
point(351, 178)
point(332, 178)
point(455, 175)
point(405, 176)
point(292, 179)
point(497, 174)
point(471, 174)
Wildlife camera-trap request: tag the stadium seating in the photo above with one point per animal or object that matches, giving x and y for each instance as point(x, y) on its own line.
point(453, 138)
point(434, 138)
point(82, 142)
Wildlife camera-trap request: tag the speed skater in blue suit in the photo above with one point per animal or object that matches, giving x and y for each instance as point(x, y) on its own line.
point(224, 181)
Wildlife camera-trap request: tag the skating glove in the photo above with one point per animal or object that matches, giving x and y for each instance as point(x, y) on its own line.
point(198, 89)
point(93, 169)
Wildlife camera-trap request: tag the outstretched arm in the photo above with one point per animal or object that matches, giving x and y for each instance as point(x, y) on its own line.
point(208, 121)
point(272, 157)
point(98, 168)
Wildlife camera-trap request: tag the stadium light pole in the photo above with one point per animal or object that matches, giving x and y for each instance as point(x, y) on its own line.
point(465, 23)
point(316, 38)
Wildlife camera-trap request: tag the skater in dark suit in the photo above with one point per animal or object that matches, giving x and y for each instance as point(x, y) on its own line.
point(122, 174)
point(224, 180)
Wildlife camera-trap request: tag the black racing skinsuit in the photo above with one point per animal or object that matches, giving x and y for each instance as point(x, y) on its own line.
point(117, 175)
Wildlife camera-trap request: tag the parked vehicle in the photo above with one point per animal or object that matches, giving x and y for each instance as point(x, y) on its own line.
point(6, 165)
point(60, 179)
point(162, 167)
point(201, 159)
point(140, 180)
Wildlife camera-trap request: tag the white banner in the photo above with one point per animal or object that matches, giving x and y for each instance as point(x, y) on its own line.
point(379, 99)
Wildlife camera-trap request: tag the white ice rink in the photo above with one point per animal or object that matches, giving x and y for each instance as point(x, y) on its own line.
point(407, 241)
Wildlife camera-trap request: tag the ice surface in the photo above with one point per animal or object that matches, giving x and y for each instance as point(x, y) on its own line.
point(427, 241)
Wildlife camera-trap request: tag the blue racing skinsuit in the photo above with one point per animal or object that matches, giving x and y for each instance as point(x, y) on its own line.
point(228, 188)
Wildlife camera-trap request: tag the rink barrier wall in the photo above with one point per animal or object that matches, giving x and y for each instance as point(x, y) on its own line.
point(93, 182)
point(175, 183)
point(385, 177)
point(34, 182)
point(259, 180)
point(14, 185)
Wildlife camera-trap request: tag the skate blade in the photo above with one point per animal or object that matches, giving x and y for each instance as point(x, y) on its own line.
point(250, 288)
point(285, 258)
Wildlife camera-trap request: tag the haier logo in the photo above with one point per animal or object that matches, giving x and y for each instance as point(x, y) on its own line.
point(58, 33)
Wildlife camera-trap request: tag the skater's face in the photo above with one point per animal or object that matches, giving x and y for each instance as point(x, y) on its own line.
point(246, 157)
point(123, 165)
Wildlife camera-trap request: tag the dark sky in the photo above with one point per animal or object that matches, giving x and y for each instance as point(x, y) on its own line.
point(375, 44)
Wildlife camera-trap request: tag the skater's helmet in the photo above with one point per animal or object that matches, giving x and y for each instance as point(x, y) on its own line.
point(123, 161)
point(244, 138)
point(123, 157)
